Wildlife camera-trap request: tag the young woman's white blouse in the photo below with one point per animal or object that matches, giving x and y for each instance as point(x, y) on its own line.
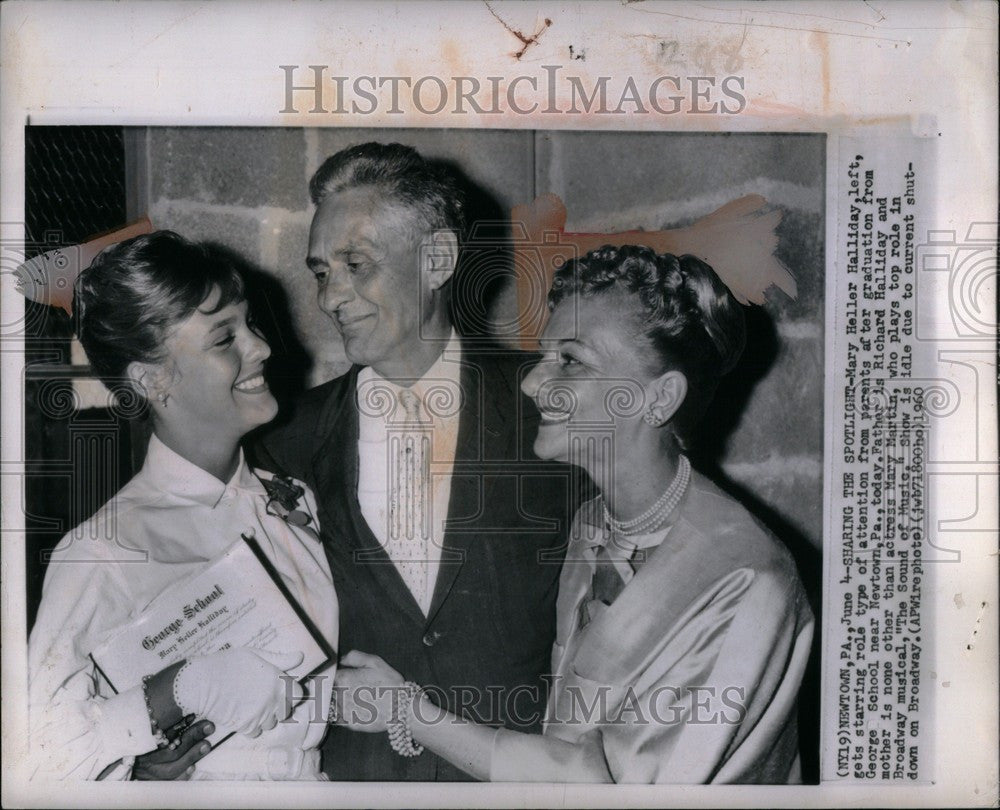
point(162, 527)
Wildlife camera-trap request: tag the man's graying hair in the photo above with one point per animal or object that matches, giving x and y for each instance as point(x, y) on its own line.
point(401, 174)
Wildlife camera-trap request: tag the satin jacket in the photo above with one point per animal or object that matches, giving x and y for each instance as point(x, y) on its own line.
point(692, 674)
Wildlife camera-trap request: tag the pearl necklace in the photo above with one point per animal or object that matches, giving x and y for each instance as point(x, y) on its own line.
point(654, 517)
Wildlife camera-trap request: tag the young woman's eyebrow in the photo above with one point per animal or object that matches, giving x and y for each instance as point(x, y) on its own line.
point(224, 322)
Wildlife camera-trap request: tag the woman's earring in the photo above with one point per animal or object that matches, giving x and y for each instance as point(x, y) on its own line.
point(162, 399)
point(650, 417)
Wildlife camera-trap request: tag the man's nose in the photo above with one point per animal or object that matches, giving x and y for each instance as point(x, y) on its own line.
point(335, 292)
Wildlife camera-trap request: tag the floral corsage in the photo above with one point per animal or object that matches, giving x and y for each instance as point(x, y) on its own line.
point(284, 497)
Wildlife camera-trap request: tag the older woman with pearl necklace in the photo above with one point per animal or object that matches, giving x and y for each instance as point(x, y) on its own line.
point(683, 628)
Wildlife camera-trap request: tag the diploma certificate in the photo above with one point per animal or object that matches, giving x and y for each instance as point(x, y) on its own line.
point(237, 600)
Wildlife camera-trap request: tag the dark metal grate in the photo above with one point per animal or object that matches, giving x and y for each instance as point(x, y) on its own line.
point(74, 188)
point(74, 183)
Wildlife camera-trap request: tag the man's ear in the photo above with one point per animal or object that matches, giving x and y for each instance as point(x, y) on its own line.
point(440, 257)
point(668, 391)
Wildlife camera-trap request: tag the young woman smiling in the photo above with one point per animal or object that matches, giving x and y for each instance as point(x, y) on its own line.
point(164, 319)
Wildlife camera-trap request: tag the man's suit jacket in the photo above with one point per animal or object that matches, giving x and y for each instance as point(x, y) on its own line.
point(484, 647)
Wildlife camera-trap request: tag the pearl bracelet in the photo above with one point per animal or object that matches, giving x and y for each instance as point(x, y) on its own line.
point(400, 735)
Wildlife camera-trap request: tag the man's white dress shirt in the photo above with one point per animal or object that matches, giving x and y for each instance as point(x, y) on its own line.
point(381, 416)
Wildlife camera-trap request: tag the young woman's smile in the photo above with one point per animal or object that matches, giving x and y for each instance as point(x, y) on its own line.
point(217, 390)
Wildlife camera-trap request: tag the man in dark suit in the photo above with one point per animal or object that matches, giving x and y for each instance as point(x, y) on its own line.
point(424, 425)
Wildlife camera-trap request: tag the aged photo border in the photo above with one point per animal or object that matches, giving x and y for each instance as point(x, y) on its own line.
point(824, 98)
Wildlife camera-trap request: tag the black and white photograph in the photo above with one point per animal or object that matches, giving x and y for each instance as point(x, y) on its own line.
point(463, 489)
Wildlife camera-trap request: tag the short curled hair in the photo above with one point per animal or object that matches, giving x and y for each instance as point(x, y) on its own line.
point(134, 292)
point(401, 174)
point(692, 321)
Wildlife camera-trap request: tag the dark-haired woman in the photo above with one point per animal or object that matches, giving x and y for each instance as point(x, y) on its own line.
point(683, 628)
point(164, 319)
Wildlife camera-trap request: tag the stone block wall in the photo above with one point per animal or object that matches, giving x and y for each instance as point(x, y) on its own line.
point(767, 446)
point(246, 188)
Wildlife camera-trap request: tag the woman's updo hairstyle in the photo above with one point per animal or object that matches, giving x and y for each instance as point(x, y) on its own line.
point(134, 292)
point(693, 322)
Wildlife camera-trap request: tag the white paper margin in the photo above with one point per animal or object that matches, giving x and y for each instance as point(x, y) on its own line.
point(826, 66)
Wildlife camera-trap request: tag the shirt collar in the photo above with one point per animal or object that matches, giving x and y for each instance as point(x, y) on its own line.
point(173, 474)
point(446, 370)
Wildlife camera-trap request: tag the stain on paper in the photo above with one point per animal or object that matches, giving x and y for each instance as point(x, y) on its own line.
point(738, 240)
point(526, 41)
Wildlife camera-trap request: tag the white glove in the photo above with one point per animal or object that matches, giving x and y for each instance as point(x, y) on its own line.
point(242, 689)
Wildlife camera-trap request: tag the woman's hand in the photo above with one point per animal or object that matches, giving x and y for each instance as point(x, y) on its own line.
point(244, 689)
point(365, 691)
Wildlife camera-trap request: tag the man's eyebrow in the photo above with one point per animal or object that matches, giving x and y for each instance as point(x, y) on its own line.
point(359, 243)
point(365, 244)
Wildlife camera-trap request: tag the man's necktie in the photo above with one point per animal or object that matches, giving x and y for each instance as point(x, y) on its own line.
point(410, 496)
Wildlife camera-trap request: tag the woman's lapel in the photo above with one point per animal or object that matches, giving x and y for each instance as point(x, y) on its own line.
point(620, 641)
